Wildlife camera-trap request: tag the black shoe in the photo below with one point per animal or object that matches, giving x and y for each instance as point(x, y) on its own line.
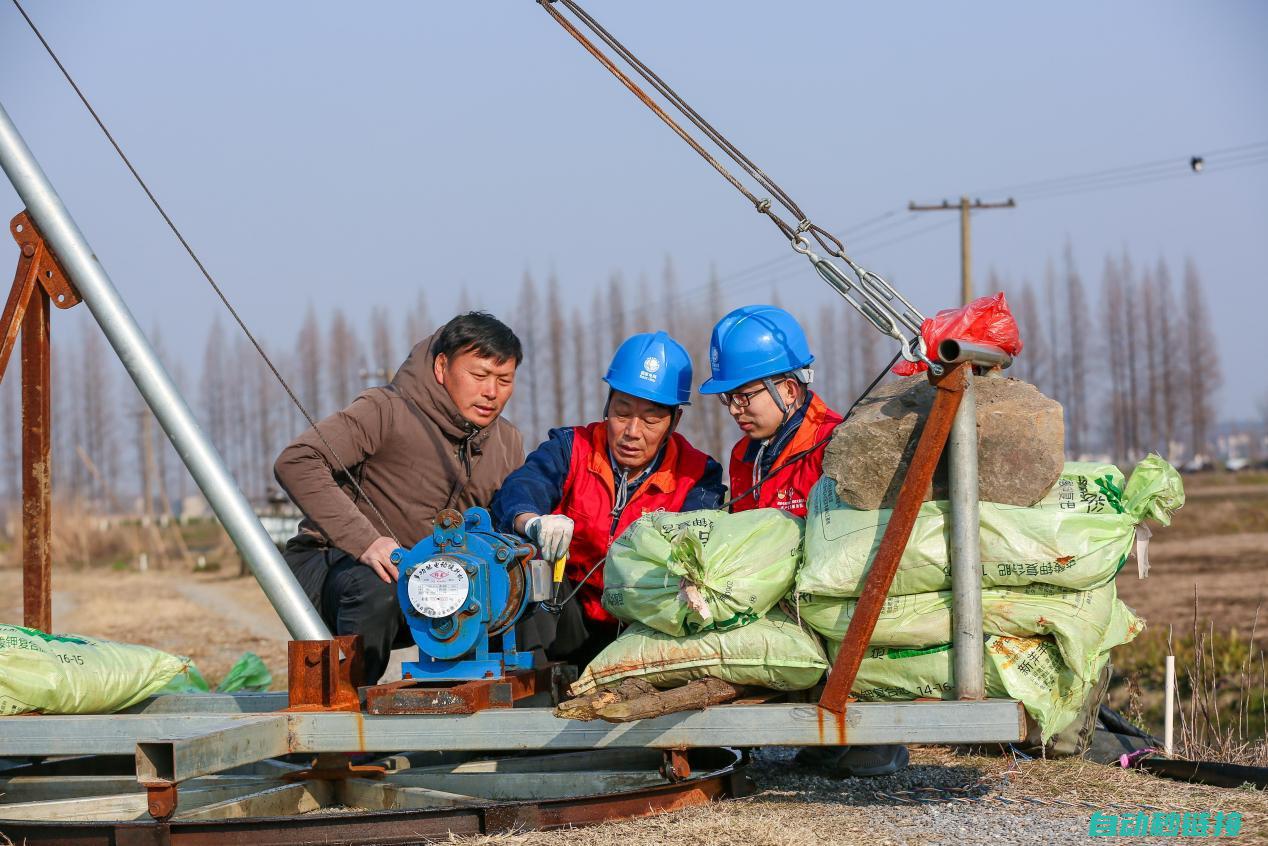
point(869, 761)
point(818, 757)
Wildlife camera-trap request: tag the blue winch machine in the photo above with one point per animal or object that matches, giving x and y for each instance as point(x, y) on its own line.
point(459, 589)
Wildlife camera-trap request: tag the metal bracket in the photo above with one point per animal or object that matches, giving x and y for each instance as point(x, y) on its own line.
point(335, 766)
point(38, 281)
point(676, 767)
point(323, 675)
point(161, 799)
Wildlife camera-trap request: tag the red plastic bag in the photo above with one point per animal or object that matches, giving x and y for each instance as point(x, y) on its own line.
point(986, 320)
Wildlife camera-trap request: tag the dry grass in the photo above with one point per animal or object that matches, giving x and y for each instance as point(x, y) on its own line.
point(945, 797)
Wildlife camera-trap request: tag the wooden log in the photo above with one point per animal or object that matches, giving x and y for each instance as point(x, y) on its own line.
point(585, 707)
point(690, 697)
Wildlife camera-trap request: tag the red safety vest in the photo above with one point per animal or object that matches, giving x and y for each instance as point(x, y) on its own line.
point(589, 494)
point(789, 488)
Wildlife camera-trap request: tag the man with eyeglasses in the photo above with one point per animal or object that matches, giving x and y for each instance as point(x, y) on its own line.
point(761, 371)
point(584, 485)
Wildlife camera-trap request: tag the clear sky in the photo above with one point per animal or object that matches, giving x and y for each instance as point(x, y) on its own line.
point(347, 154)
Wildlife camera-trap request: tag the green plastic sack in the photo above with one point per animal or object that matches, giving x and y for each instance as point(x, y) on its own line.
point(1076, 620)
point(703, 570)
point(770, 652)
point(248, 673)
point(1077, 537)
point(1030, 670)
point(70, 674)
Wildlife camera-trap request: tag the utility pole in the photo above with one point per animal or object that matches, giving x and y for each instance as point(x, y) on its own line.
point(966, 279)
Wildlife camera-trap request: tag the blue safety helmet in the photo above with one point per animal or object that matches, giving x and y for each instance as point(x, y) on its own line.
point(654, 367)
point(755, 342)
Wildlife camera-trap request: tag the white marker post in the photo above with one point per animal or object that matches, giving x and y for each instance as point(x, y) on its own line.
point(1168, 731)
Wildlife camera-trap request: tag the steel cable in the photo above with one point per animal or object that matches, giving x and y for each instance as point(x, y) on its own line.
point(206, 274)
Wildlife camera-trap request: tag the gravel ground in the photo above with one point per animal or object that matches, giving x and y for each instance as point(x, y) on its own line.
point(942, 798)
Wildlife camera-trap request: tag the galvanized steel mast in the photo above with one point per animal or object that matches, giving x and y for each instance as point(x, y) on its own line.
point(192, 444)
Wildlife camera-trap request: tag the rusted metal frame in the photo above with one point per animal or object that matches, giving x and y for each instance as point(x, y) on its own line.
point(933, 438)
point(38, 282)
point(721, 779)
point(323, 675)
point(415, 696)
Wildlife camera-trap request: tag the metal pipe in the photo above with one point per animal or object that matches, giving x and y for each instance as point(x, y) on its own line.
point(966, 563)
point(121, 330)
point(952, 351)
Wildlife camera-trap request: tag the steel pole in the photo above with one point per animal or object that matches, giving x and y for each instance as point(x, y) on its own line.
point(966, 565)
point(121, 330)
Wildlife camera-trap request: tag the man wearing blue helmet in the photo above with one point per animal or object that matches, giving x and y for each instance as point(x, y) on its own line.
point(584, 485)
point(761, 370)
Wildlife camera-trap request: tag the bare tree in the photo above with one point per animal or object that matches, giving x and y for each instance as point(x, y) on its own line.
point(1055, 363)
point(555, 329)
point(1204, 377)
point(213, 386)
point(1031, 328)
point(1130, 308)
point(1151, 364)
point(345, 362)
point(529, 331)
point(581, 384)
point(308, 348)
point(1169, 339)
point(670, 307)
point(99, 410)
point(1112, 313)
point(715, 417)
point(383, 358)
point(418, 324)
point(1076, 320)
point(616, 308)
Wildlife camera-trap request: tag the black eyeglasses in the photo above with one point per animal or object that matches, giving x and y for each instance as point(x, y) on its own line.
point(740, 400)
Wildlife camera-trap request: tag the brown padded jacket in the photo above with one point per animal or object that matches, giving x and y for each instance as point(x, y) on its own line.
point(410, 450)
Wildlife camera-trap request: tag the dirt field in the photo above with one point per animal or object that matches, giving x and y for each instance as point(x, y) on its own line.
point(1218, 546)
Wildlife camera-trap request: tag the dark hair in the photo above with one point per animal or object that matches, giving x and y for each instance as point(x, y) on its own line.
point(481, 333)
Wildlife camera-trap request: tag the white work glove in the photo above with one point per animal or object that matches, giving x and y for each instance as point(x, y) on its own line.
point(552, 533)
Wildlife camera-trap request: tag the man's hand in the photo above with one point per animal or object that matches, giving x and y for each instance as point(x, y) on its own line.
point(378, 557)
point(553, 534)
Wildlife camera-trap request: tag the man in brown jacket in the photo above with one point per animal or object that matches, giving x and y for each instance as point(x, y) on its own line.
point(431, 439)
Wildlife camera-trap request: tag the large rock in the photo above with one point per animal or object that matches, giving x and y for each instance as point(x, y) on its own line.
point(1020, 443)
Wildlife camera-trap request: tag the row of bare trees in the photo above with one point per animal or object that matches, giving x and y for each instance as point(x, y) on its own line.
point(1134, 362)
point(1136, 368)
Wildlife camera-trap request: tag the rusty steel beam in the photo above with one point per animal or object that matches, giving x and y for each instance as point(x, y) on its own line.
point(37, 448)
point(933, 438)
point(419, 696)
point(38, 282)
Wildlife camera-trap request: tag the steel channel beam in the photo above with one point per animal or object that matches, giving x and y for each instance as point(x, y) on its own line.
point(966, 563)
point(176, 759)
point(212, 703)
point(152, 380)
point(104, 734)
point(989, 721)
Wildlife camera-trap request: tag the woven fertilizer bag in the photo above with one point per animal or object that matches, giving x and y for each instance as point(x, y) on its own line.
point(1077, 620)
point(1077, 537)
point(70, 674)
point(702, 570)
point(772, 652)
point(1030, 670)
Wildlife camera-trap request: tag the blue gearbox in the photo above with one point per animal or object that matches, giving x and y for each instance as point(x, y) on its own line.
point(459, 589)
